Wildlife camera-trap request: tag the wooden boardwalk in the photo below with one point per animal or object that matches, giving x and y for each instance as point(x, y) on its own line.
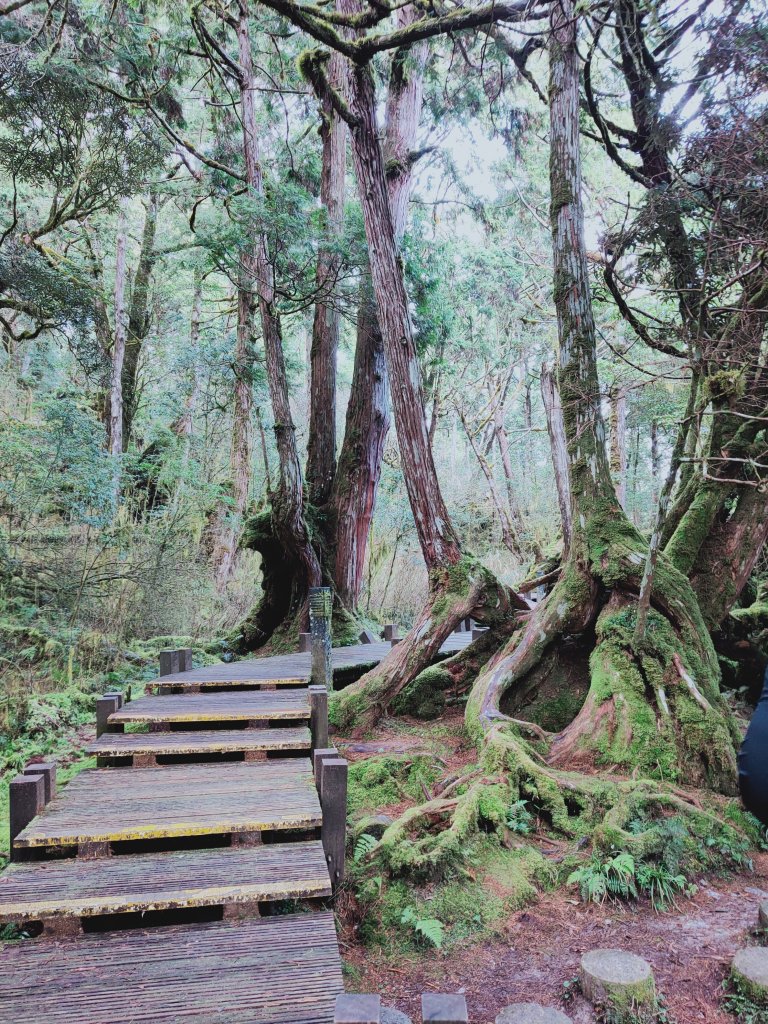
point(254, 816)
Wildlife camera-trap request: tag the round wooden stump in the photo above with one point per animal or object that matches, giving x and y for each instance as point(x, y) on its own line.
point(749, 971)
point(531, 1013)
point(762, 914)
point(621, 982)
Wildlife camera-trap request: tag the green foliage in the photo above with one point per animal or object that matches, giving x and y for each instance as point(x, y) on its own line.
point(364, 845)
point(376, 782)
point(598, 879)
point(519, 818)
point(740, 1003)
point(429, 928)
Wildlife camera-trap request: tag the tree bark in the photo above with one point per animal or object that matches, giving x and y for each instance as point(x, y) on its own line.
point(138, 316)
point(115, 428)
point(556, 430)
point(287, 502)
point(619, 443)
point(183, 426)
point(321, 451)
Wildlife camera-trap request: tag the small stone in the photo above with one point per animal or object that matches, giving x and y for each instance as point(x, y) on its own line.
point(750, 973)
point(620, 981)
point(391, 1016)
point(762, 914)
point(531, 1013)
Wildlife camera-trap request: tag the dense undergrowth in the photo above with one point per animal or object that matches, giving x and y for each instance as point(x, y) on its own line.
point(50, 677)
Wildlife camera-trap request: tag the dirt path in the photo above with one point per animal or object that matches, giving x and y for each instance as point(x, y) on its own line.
point(538, 949)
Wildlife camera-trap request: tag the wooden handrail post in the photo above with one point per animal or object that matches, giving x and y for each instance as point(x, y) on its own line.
point(438, 1008)
point(185, 659)
point(318, 716)
point(26, 799)
point(106, 706)
point(333, 800)
point(305, 643)
point(390, 631)
point(48, 771)
point(319, 757)
point(320, 610)
point(357, 1009)
point(169, 662)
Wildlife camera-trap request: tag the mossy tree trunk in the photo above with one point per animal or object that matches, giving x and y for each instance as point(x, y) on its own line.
point(657, 709)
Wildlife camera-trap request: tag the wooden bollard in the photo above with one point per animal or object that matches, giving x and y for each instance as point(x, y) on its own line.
point(366, 637)
point(318, 716)
point(477, 633)
point(305, 642)
point(390, 631)
point(26, 799)
point(169, 662)
point(444, 1009)
point(357, 1009)
point(333, 800)
point(319, 757)
point(395, 641)
point(185, 659)
point(106, 706)
point(48, 771)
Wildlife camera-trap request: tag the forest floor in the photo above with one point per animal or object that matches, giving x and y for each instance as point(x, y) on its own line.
point(532, 953)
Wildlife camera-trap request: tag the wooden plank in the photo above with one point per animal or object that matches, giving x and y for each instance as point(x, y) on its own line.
point(38, 890)
point(276, 970)
point(251, 705)
point(118, 804)
point(124, 744)
point(182, 686)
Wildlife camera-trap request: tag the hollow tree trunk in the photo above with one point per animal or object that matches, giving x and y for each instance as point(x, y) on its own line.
point(290, 563)
point(321, 451)
point(556, 430)
point(657, 711)
point(138, 316)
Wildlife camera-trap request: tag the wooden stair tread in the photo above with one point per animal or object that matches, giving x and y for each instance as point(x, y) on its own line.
point(277, 970)
point(157, 881)
point(162, 685)
point(118, 804)
point(117, 744)
point(216, 707)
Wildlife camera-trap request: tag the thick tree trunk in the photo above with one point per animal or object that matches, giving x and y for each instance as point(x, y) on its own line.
point(138, 316)
point(556, 430)
point(321, 451)
point(359, 467)
point(657, 711)
point(183, 426)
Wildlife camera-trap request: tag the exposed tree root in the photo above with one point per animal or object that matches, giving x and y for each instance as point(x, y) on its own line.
point(466, 588)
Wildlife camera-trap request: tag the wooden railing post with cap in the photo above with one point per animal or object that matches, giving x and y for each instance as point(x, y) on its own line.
point(318, 716)
point(320, 609)
point(26, 799)
point(185, 659)
point(332, 779)
point(48, 771)
point(357, 1009)
point(169, 662)
point(106, 706)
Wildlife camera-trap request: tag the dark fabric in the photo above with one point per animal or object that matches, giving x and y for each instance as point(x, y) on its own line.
point(753, 760)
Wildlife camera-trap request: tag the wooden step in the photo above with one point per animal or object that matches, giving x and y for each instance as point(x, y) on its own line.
point(108, 805)
point(180, 685)
point(250, 705)
point(277, 970)
point(73, 887)
point(146, 745)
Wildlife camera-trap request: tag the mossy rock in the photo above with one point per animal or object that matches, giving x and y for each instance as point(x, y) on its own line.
point(424, 697)
point(621, 983)
point(392, 1016)
point(531, 1013)
point(372, 824)
point(762, 914)
point(749, 972)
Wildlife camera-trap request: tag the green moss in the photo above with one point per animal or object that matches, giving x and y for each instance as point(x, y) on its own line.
point(379, 781)
point(424, 697)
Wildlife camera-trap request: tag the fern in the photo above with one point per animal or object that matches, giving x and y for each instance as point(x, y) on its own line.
point(519, 818)
point(365, 844)
point(428, 928)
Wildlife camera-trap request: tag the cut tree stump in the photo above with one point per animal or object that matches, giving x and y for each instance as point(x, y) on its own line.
point(620, 982)
point(531, 1013)
point(749, 971)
